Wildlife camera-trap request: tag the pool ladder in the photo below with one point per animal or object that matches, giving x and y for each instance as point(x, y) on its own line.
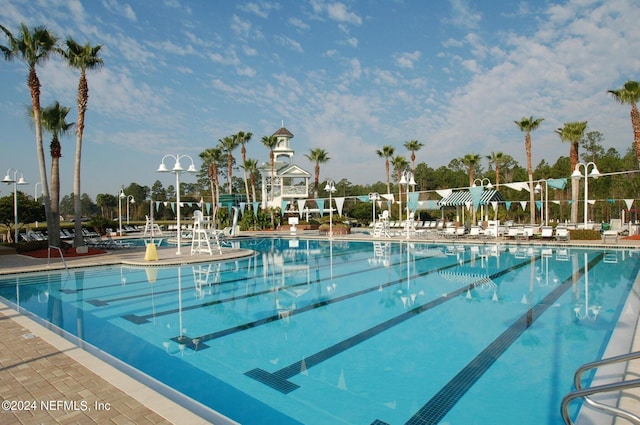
point(585, 393)
point(61, 256)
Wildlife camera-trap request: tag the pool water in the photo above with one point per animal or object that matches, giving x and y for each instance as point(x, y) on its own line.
point(318, 332)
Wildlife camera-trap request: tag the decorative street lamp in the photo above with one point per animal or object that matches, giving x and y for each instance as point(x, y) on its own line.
point(130, 200)
point(121, 196)
point(544, 198)
point(8, 180)
point(177, 170)
point(374, 197)
point(331, 188)
point(408, 180)
point(488, 186)
point(577, 175)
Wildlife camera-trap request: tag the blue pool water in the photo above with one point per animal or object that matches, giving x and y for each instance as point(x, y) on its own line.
point(319, 332)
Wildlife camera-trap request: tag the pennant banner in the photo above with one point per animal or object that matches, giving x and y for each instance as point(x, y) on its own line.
point(413, 200)
point(255, 208)
point(476, 195)
point(320, 203)
point(557, 183)
point(629, 202)
point(523, 204)
point(339, 204)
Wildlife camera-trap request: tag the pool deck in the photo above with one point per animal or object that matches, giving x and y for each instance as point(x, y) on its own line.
point(44, 378)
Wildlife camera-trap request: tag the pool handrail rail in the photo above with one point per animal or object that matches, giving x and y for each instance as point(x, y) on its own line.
point(584, 393)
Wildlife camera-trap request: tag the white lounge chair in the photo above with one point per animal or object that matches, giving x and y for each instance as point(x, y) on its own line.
point(562, 234)
point(610, 236)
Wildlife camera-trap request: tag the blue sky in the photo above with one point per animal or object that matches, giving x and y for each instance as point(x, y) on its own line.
point(345, 76)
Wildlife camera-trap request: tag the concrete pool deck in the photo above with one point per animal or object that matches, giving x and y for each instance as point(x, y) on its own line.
point(45, 378)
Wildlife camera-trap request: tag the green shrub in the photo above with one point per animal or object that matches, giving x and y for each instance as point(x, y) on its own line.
point(584, 235)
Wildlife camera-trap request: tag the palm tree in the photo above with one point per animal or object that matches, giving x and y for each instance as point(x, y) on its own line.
point(471, 161)
point(629, 94)
point(81, 58)
point(228, 144)
point(210, 159)
point(573, 132)
point(399, 164)
point(270, 142)
point(497, 159)
point(319, 156)
point(413, 146)
point(386, 152)
point(34, 47)
point(54, 122)
point(243, 138)
point(527, 125)
point(251, 167)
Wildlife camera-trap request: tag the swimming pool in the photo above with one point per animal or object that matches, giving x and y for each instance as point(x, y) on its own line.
point(317, 332)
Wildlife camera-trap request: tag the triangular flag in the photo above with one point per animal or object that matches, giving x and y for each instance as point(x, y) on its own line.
point(320, 203)
point(255, 208)
point(523, 204)
point(476, 195)
point(339, 204)
point(629, 202)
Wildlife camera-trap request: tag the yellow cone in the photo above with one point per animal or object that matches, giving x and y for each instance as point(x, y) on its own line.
point(151, 254)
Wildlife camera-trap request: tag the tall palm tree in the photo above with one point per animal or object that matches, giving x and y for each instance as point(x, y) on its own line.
point(251, 167)
point(399, 164)
point(471, 161)
point(270, 142)
point(318, 156)
point(228, 144)
point(573, 132)
point(54, 122)
point(497, 159)
point(413, 146)
point(210, 159)
point(527, 125)
point(629, 94)
point(82, 58)
point(386, 152)
point(243, 138)
point(34, 47)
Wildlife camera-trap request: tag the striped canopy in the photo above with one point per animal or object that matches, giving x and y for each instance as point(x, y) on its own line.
point(463, 198)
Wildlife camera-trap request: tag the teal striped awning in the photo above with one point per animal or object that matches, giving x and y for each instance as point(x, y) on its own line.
point(463, 197)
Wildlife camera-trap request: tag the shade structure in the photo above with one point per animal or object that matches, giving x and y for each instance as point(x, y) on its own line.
point(463, 198)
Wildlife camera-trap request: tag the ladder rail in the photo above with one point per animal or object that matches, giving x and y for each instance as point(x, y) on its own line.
point(61, 256)
point(581, 392)
point(585, 392)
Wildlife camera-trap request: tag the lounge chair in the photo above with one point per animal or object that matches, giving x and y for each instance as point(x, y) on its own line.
point(610, 236)
point(562, 234)
point(546, 232)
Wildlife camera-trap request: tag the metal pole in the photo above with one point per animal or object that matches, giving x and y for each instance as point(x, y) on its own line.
point(15, 207)
point(178, 252)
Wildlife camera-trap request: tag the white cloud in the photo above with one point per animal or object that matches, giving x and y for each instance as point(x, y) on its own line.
point(407, 59)
point(121, 9)
point(289, 42)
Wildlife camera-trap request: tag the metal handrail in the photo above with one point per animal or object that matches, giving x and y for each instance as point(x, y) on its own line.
point(61, 256)
point(580, 392)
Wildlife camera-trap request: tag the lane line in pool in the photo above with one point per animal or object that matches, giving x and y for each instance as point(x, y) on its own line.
point(279, 379)
point(440, 404)
point(101, 303)
point(197, 343)
point(142, 319)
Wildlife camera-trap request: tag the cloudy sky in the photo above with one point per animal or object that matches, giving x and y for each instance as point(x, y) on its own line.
point(345, 76)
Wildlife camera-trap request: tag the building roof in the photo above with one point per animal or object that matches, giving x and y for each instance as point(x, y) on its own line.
point(283, 132)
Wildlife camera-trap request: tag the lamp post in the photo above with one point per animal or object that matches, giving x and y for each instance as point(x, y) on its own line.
point(577, 175)
point(331, 188)
point(121, 195)
point(488, 186)
point(130, 200)
point(544, 198)
point(374, 197)
point(407, 180)
point(35, 191)
point(8, 180)
point(177, 170)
